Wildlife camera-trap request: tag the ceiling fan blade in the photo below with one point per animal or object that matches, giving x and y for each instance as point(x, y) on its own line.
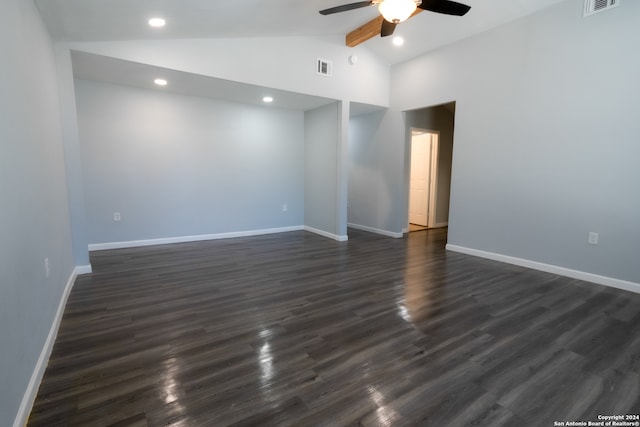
point(346, 7)
point(445, 6)
point(387, 28)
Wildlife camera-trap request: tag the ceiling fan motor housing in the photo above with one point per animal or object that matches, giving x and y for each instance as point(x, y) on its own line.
point(397, 11)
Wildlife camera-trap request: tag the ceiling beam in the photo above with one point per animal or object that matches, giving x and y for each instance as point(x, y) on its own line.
point(364, 32)
point(368, 30)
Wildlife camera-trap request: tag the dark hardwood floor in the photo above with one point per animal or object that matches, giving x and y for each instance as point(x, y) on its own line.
point(296, 329)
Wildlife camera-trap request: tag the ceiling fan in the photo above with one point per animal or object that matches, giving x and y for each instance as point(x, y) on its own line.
point(394, 12)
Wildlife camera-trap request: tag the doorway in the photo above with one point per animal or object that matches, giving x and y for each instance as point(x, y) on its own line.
point(422, 178)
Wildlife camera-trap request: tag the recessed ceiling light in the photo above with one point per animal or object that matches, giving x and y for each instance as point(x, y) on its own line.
point(160, 82)
point(398, 41)
point(267, 99)
point(157, 22)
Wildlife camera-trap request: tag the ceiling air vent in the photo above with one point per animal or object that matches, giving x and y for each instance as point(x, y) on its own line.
point(325, 68)
point(595, 6)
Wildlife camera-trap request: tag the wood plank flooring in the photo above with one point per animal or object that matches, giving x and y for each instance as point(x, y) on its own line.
point(296, 329)
point(416, 227)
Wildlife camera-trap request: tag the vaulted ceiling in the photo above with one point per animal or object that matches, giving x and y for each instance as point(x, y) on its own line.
point(102, 20)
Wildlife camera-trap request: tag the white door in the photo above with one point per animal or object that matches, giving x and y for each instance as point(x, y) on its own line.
point(419, 179)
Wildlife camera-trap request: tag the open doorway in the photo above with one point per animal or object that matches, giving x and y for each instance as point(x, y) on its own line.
point(422, 179)
point(437, 122)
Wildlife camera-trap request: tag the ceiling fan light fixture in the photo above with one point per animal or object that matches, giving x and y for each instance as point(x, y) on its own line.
point(397, 11)
point(157, 22)
point(398, 41)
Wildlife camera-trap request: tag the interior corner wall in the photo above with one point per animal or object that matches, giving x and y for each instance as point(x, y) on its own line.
point(35, 214)
point(376, 171)
point(176, 166)
point(440, 119)
point(322, 143)
point(546, 146)
point(73, 160)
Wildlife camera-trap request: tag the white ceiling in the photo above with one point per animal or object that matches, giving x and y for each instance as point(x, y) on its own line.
point(104, 20)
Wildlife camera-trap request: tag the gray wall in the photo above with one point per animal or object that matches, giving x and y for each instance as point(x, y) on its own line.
point(547, 129)
point(322, 141)
point(177, 166)
point(439, 119)
point(34, 219)
point(376, 171)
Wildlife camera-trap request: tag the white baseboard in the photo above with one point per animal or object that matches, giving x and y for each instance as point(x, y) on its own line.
point(84, 269)
point(561, 271)
point(376, 230)
point(326, 234)
point(185, 239)
point(38, 372)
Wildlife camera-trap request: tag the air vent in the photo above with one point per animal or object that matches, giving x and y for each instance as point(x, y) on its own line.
point(325, 68)
point(595, 6)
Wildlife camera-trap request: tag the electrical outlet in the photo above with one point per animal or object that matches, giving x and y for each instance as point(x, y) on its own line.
point(285, 208)
point(593, 238)
point(47, 269)
point(116, 216)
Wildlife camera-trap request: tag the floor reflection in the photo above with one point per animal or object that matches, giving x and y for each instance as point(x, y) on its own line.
point(424, 285)
point(265, 359)
point(386, 416)
point(403, 312)
point(169, 387)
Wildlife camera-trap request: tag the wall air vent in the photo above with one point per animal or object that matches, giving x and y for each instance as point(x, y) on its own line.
point(324, 68)
point(595, 6)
